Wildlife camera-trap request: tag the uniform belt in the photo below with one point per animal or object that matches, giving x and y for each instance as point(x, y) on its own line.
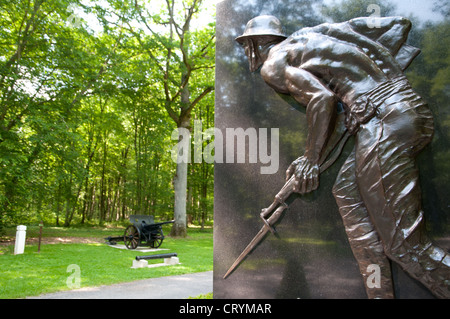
point(365, 106)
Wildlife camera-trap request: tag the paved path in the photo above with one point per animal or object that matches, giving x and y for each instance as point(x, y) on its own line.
point(171, 287)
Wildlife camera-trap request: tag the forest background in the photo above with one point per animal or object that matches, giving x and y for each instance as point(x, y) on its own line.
point(91, 92)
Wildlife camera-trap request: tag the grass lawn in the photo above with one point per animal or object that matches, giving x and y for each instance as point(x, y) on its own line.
point(33, 273)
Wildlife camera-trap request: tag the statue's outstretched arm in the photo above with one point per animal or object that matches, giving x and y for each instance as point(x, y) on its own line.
point(321, 113)
point(321, 109)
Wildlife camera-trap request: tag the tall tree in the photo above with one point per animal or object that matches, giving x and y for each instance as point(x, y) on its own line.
point(89, 96)
point(179, 55)
point(46, 71)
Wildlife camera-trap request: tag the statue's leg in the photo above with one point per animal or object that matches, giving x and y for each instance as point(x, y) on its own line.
point(363, 238)
point(388, 181)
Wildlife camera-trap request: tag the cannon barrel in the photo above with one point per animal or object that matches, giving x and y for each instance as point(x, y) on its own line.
point(157, 256)
point(163, 223)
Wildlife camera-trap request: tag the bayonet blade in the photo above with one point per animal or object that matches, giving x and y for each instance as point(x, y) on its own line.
point(256, 240)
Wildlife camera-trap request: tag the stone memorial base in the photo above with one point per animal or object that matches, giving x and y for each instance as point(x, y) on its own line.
point(144, 263)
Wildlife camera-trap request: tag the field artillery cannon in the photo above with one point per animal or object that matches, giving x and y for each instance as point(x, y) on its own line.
point(143, 231)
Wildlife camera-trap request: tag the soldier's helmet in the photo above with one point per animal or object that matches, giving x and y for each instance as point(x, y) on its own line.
point(264, 25)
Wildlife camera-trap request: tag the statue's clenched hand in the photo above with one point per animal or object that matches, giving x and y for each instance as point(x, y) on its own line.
point(306, 175)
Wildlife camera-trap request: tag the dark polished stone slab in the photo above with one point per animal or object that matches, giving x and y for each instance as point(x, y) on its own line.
point(311, 258)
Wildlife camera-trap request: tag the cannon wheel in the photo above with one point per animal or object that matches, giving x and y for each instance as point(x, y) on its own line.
point(131, 237)
point(158, 240)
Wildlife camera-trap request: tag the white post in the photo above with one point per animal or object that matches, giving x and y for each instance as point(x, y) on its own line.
point(20, 239)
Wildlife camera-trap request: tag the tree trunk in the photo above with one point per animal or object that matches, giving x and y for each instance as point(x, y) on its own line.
point(180, 184)
point(179, 228)
point(203, 198)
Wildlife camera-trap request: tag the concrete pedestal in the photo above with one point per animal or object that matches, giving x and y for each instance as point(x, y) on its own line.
point(144, 263)
point(20, 240)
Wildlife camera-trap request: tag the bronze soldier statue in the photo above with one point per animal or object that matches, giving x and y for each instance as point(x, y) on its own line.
point(377, 189)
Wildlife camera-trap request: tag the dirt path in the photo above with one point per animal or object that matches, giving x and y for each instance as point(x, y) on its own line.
point(54, 240)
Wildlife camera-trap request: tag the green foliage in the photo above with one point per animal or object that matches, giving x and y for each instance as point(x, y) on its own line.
point(84, 127)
